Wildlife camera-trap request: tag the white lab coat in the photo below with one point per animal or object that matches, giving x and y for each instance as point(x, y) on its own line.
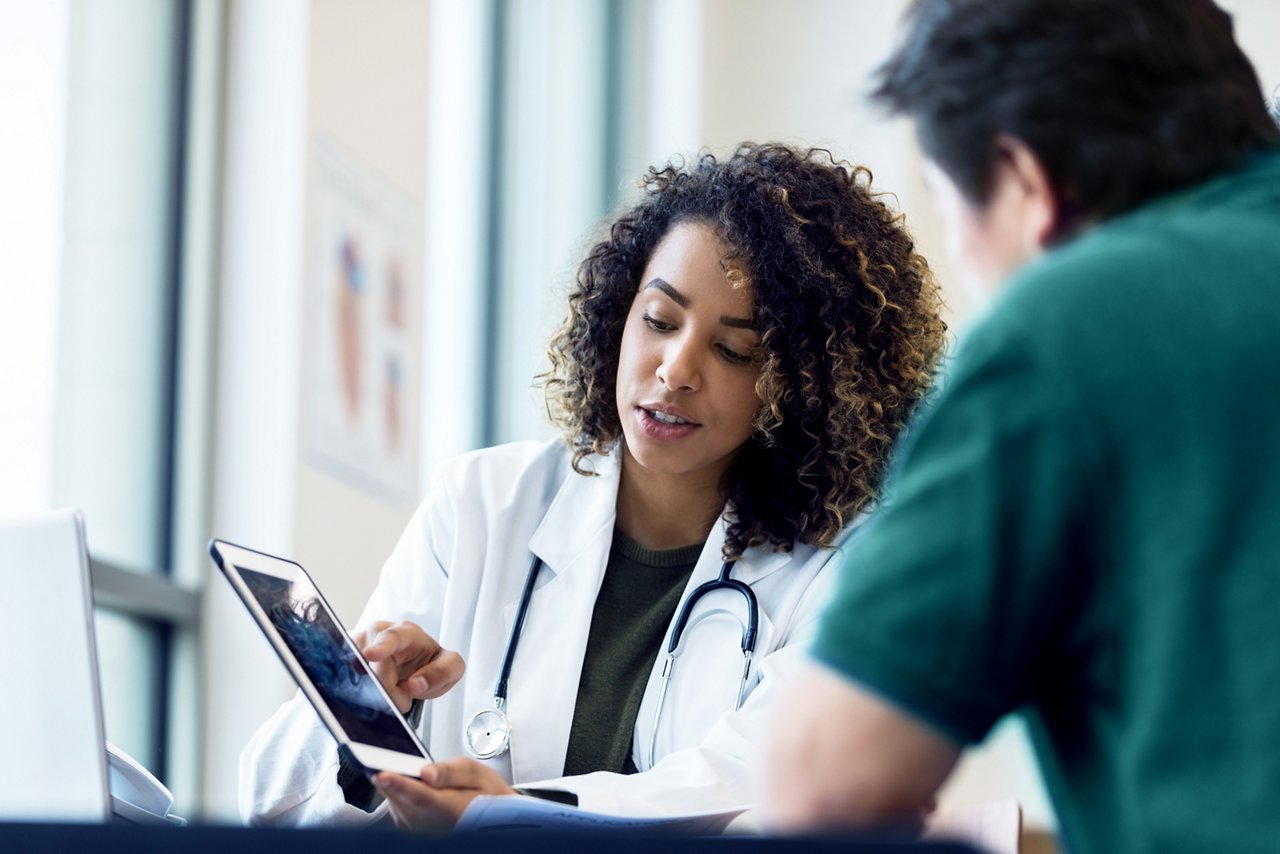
point(458, 572)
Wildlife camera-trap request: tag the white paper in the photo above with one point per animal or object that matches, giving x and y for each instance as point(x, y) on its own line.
point(490, 814)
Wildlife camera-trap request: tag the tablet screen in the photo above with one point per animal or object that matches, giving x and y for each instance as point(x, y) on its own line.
point(330, 660)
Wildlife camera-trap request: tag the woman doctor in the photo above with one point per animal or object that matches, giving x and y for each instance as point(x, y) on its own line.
point(741, 350)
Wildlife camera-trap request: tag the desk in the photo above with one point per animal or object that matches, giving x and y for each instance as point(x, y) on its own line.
point(211, 839)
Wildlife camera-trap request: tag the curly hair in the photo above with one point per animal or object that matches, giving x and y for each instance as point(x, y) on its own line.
point(846, 311)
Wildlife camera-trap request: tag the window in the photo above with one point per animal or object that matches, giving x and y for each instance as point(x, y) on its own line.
point(551, 75)
point(102, 332)
point(113, 413)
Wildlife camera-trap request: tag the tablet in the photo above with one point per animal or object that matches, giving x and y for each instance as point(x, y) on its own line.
point(321, 657)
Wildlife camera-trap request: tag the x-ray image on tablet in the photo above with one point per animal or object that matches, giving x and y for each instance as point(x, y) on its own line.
point(322, 658)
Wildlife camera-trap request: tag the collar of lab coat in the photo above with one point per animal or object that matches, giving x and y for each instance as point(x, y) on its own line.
point(573, 541)
point(577, 531)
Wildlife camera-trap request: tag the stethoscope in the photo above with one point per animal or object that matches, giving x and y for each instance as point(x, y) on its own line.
point(488, 733)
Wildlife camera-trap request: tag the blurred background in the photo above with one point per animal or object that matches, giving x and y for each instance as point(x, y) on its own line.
point(268, 262)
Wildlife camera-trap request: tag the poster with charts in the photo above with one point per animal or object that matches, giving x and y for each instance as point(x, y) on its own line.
point(362, 293)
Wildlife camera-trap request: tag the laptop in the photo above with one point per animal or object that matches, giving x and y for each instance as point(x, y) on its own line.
point(55, 765)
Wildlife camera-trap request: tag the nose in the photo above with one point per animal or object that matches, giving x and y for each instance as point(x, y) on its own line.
point(679, 369)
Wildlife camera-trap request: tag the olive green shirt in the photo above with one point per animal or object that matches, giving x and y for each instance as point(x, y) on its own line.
point(633, 610)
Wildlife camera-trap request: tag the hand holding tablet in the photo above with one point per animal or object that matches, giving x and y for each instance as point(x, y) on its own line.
point(328, 665)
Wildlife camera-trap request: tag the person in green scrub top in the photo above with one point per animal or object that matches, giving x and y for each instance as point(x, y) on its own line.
point(1084, 525)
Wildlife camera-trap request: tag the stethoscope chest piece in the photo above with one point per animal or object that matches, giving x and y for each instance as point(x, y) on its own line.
point(488, 733)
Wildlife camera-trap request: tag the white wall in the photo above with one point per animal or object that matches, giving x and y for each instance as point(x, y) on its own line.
point(367, 93)
point(1257, 28)
point(33, 101)
point(806, 83)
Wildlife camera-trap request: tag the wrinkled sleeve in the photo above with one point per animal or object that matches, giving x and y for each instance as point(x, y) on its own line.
point(955, 594)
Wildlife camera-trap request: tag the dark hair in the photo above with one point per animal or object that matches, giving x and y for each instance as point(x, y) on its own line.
point(1121, 100)
point(847, 314)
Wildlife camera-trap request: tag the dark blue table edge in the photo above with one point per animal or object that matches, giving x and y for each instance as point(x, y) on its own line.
point(226, 839)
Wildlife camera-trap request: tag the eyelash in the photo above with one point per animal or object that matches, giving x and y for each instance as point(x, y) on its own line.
point(657, 325)
point(731, 356)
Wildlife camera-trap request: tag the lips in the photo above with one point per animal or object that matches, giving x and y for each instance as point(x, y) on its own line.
point(663, 423)
point(664, 413)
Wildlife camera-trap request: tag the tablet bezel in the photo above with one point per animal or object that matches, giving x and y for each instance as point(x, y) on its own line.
point(230, 558)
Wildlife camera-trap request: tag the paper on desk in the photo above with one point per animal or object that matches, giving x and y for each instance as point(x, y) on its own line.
point(490, 813)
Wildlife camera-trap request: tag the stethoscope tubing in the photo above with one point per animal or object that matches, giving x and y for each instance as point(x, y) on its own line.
point(526, 595)
point(723, 582)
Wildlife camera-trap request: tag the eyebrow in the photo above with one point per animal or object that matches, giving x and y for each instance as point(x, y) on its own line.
point(683, 301)
point(666, 287)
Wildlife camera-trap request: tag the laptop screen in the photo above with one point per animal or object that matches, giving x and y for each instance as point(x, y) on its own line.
point(50, 707)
